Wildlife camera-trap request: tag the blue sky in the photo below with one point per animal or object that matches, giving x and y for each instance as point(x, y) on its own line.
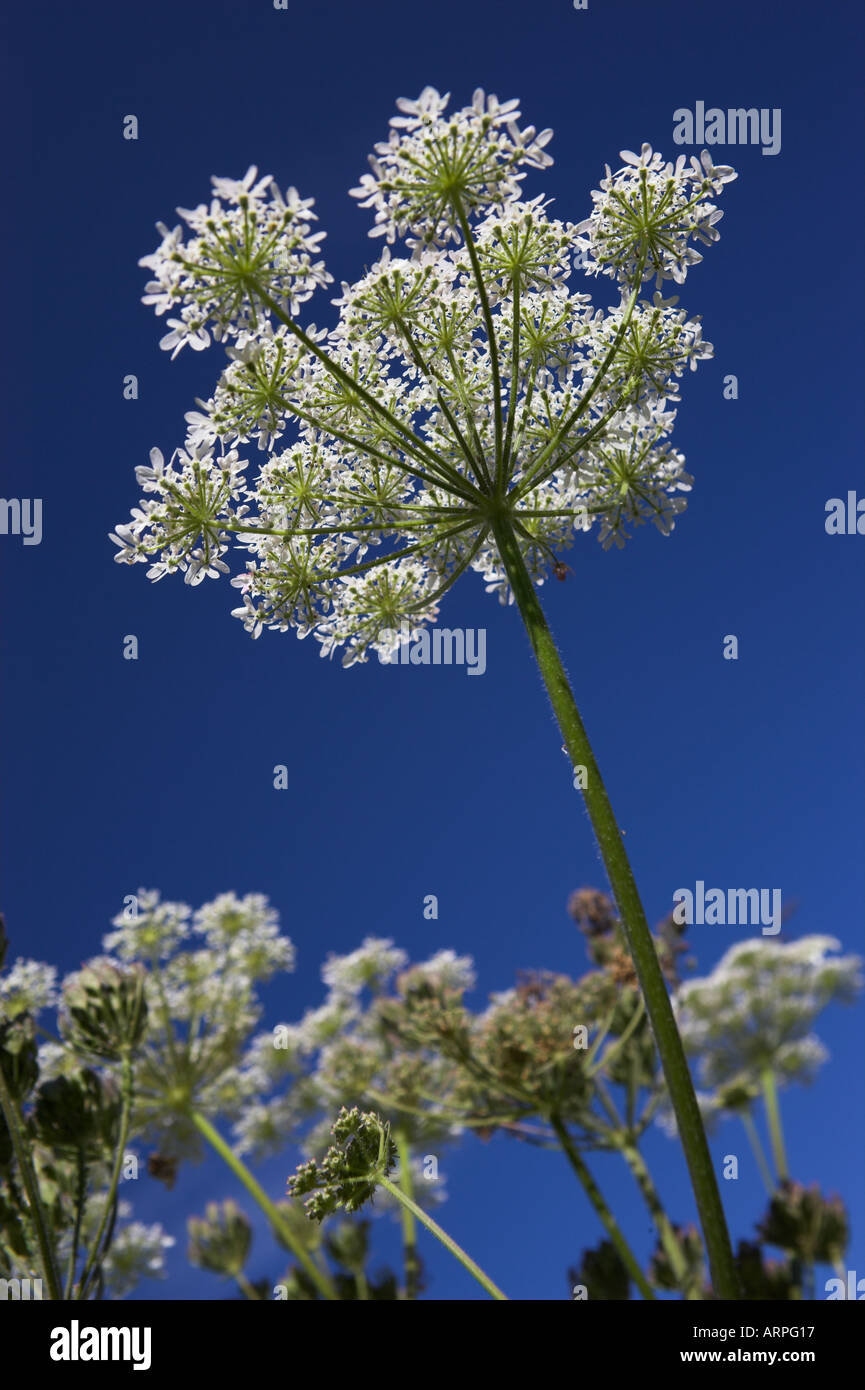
point(408, 781)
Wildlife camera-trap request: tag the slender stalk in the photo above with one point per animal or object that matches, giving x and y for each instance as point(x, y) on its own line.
point(31, 1186)
point(465, 1260)
point(773, 1116)
point(409, 1227)
point(663, 1225)
point(621, 1040)
point(595, 1196)
point(640, 942)
point(413, 442)
point(80, 1197)
point(93, 1258)
point(491, 337)
point(757, 1147)
point(258, 1194)
point(247, 1289)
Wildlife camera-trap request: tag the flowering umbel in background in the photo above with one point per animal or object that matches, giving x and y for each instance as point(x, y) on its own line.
point(158, 1046)
point(469, 410)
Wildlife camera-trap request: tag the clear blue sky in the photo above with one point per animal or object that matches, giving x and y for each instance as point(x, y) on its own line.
point(407, 781)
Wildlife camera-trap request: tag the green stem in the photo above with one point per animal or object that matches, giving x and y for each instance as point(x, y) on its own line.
point(595, 1196)
point(258, 1194)
point(93, 1259)
point(616, 1047)
point(640, 941)
point(773, 1116)
point(757, 1148)
point(465, 1260)
point(80, 1195)
point(663, 1225)
point(409, 1227)
point(247, 1289)
point(31, 1187)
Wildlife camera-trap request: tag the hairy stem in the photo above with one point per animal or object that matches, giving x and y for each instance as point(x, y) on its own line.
point(96, 1252)
point(80, 1199)
point(608, 1221)
point(663, 1225)
point(31, 1187)
point(626, 894)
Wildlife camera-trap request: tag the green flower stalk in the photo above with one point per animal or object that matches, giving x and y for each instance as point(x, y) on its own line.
point(18, 1073)
point(351, 1170)
point(468, 411)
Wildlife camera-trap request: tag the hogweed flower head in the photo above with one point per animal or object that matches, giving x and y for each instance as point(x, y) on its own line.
point(137, 1252)
point(28, 986)
point(201, 971)
point(465, 381)
point(754, 1013)
point(247, 242)
point(433, 164)
point(347, 1176)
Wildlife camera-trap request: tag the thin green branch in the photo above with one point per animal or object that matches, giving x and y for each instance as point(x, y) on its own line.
point(491, 336)
point(97, 1253)
point(37, 1213)
point(773, 1116)
point(256, 1191)
point(595, 1196)
point(465, 1260)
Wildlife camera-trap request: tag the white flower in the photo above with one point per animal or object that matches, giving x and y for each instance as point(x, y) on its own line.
point(448, 970)
point(475, 155)
point(27, 987)
point(268, 242)
point(137, 1252)
point(755, 1011)
point(149, 929)
point(369, 967)
point(459, 369)
point(187, 330)
point(646, 215)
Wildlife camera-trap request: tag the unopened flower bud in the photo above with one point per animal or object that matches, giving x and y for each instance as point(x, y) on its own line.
point(801, 1221)
point(103, 1011)
point(220, 1241)
point(80, 1113)
point(18, 1055)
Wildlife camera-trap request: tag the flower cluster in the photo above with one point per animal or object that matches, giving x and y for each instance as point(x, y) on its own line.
point(62, 1124)
point(352, 1168)
point(250, 247)
point(158, 1043)
point(434, 168)
point(755, 1012)
point(201, 975)
point(344, 1052)
point(647, 214)
point(466, 387)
